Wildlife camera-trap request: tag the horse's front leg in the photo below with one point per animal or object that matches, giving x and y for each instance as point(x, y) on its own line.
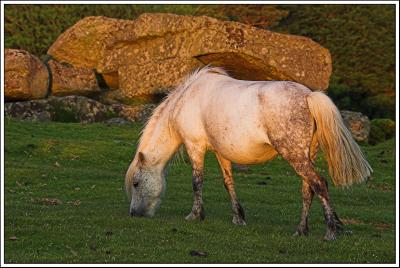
point(196, 156)
point(197, 184)
point(226, 168)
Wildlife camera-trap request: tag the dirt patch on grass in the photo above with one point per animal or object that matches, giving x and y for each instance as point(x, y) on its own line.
point(75, 203)
point(379, 226)
point(385, 187)
point(47, 201)
point(383, 226)
point(352, 221)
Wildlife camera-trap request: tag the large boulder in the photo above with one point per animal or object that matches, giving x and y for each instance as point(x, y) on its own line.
point(138, 51)
point(154, 77)
point(26, 77)
point(69, 80)
point(74, 109)
point(118, 97)
point(358, 124)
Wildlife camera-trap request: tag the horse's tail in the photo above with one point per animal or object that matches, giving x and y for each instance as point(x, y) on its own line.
point(346, 162)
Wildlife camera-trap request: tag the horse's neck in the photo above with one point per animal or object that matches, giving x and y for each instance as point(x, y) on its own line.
point(160, 141)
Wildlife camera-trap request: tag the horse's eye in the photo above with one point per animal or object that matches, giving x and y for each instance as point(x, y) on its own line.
point(135, 184)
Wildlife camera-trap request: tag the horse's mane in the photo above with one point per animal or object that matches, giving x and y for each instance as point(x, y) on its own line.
point(172, 97)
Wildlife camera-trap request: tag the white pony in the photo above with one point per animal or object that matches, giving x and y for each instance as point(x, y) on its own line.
point(245, 122)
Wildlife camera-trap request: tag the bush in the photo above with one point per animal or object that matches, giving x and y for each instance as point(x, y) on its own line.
point(358, 99)
point(381, 106)
point(348, 98)
point(381, 130)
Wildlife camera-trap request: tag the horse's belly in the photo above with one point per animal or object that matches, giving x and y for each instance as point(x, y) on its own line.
point(246, 154)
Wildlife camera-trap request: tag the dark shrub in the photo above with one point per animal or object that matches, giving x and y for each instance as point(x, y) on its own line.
point(381, 130)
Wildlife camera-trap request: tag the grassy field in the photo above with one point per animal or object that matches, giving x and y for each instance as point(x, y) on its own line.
point(65, 203)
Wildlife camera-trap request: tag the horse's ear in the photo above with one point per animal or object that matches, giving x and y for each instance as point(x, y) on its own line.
point(141, 159)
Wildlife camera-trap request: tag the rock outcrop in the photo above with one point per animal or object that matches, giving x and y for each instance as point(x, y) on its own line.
point(129, 62)
point(25, 76)
point(69, 80)
point(358, 124)
point(154, 77)
point(155, 51)
point(74, 109)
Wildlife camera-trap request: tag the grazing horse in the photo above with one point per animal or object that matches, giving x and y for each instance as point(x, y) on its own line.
point(245, 122)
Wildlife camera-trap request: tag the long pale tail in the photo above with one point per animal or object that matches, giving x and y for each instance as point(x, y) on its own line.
point(347, 164)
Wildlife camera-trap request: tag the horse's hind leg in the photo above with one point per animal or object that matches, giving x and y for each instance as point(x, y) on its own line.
point(308, 194)
point(314, 149)
point(301, 159)
point(226, 168)
point(319, 186)
point(196, 155)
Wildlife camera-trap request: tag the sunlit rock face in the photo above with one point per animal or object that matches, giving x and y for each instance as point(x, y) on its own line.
point(26, 77)
point(154, 53)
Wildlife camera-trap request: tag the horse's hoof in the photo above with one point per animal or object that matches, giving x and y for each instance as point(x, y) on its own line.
point(301, 232)
point(330, 236)
point(194, 216)
point(238, 221)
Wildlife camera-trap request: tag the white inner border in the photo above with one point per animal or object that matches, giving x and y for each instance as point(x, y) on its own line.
point(199, 2)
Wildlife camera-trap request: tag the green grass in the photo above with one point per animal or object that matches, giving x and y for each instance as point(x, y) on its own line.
point(83, 167)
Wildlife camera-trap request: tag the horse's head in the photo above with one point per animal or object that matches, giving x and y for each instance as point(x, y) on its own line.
point(145, 185)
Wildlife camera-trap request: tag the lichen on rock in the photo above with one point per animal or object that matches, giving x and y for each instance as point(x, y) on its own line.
point(140, 50)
